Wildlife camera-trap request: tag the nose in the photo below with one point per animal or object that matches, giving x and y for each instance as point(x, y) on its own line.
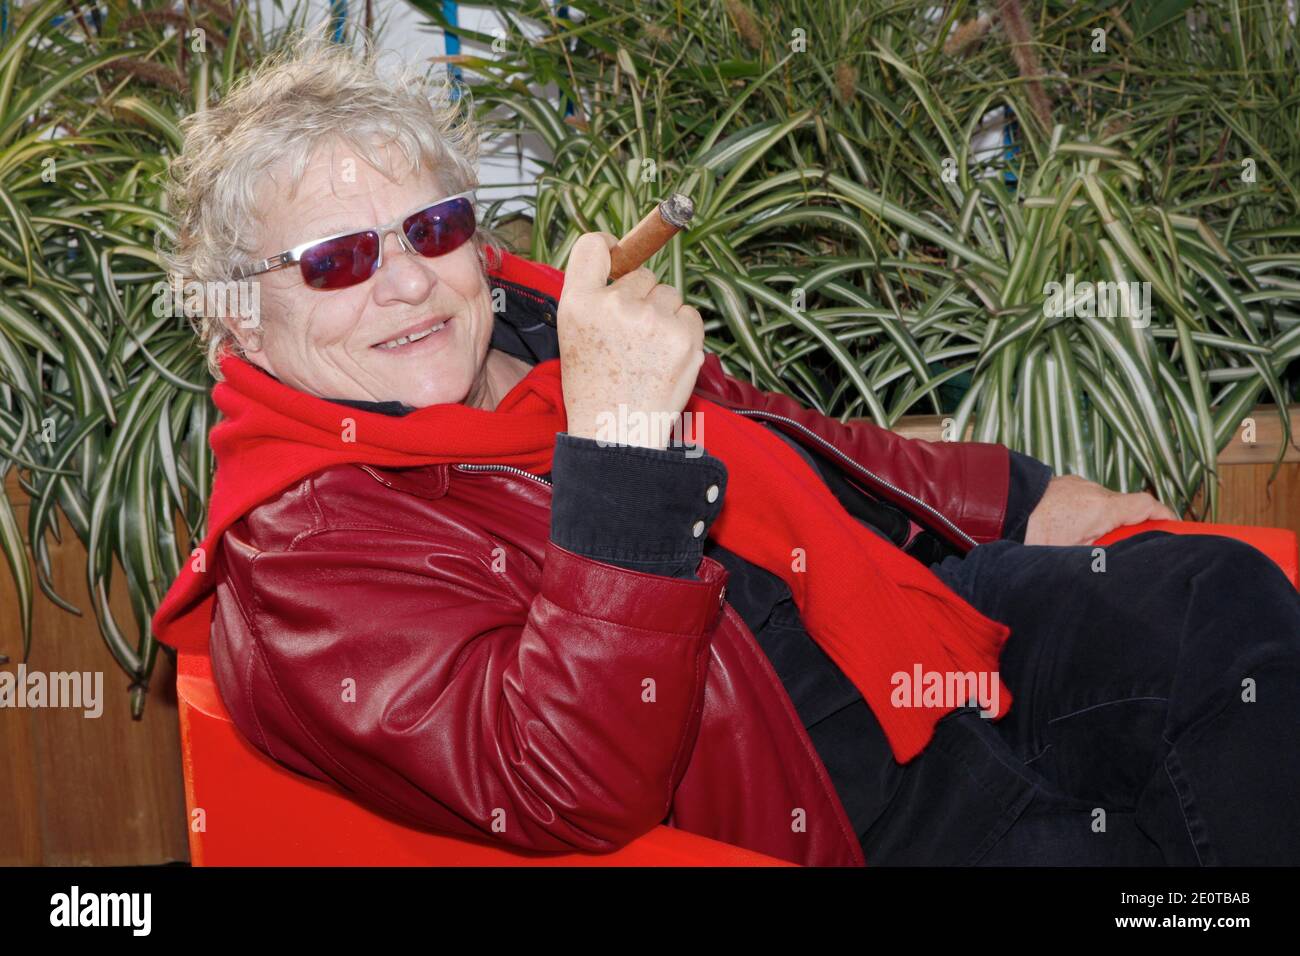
point(405, 276)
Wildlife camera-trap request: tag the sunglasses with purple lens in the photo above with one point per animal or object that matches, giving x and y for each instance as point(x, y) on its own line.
point(336, 262)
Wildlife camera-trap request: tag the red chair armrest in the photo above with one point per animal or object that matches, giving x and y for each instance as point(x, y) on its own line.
point(1278, 543)
point(247, 810)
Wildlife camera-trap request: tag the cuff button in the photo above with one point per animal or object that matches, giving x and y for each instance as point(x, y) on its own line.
point(712, 493)
point(698, 529)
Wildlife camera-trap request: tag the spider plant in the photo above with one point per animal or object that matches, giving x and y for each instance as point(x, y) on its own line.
point(1198, 87)
point(104, 406)
point(837, 256)
point(1129, 399)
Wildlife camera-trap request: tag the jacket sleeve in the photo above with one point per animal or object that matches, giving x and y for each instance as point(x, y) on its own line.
point(964, 484)
point(408, 672)
point(648, 509)
point(1029, 480)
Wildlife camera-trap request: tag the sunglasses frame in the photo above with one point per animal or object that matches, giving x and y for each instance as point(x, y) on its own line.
point(293, 256)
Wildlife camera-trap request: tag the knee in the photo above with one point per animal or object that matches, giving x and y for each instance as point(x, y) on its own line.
point(1228, 561)
point(1241, 589)
point(1228, 584)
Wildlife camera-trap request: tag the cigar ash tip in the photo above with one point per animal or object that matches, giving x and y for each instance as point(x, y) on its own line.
point(677, 210)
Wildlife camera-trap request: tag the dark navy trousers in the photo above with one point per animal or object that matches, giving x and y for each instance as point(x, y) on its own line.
point(1156, 716)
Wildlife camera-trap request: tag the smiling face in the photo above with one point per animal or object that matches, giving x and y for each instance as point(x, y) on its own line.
point(347, 343)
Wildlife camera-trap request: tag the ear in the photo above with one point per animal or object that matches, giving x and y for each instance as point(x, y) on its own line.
point(247, 335)
point(239, 310)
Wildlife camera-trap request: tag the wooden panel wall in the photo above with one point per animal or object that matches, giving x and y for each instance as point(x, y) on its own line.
point(77, 790)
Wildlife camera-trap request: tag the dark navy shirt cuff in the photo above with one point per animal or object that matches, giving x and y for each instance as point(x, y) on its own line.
point(1029, 479)
point(645, 509)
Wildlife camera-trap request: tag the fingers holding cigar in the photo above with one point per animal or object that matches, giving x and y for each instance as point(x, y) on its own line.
point(590, 266)
point(640, 282)
point(666, 297)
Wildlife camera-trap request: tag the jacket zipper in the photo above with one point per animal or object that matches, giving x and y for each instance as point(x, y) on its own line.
point(467, 466)
point(760, 413)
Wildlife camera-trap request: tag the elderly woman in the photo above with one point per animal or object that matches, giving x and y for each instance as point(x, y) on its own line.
point(449, 572)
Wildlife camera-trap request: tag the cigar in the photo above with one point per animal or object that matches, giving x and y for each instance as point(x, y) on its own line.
point(650, 235)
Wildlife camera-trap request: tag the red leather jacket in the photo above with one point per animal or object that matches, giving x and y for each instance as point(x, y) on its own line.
point(414, 636)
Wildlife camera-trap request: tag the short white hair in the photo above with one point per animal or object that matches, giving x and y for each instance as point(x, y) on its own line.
point(310, 92)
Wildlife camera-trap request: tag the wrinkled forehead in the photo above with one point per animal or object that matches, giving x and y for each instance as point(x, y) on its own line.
point(339, 185)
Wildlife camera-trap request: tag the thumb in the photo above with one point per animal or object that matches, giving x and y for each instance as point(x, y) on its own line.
point(1162, 512)
point(1138, 506)
point(589, 262)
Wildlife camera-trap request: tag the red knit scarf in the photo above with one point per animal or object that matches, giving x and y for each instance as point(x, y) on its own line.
point(876, 611)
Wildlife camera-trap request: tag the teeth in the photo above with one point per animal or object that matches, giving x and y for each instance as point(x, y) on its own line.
point(415, 337)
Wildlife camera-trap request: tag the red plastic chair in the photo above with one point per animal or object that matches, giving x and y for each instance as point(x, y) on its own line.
point(257, 813)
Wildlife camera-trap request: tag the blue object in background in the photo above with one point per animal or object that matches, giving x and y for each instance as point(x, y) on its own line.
point(1009, 140)
point(451, 10)
point(338, 18)
point(451, 44)
point(96, 18)
point(568, 103)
